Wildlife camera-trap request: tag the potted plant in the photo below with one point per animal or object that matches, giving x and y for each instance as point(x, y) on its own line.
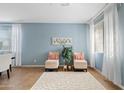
point(67, 55)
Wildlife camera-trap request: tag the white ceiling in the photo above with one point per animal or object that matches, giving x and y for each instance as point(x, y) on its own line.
point(49, 12)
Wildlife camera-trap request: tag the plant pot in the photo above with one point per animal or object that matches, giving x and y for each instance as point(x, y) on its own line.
point(69, 67)
point(65, 67)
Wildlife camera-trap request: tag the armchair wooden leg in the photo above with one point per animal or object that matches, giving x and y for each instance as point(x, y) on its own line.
point(10, 67)
point(57, 70)
point(0, 73)
point(46, 70)
point(8, 74)
point(86, 70)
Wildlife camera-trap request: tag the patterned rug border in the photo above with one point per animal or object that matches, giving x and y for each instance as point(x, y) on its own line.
point(39, 79)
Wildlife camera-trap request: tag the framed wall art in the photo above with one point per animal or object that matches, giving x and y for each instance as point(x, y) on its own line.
point(61, 41)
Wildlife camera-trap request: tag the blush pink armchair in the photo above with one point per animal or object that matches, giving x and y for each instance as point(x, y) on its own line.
point(79, 61)
point(53, 61)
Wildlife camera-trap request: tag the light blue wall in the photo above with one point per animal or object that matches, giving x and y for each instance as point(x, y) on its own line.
point(99, 61)
point(121, 24)
point(36, 40)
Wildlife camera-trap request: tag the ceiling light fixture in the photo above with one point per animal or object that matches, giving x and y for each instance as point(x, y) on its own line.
point(65, 4)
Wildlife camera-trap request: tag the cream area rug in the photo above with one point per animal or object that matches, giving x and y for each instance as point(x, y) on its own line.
point(67, 81)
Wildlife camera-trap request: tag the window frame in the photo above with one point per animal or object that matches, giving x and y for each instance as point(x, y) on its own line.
point(10, 41)
point(98, 23)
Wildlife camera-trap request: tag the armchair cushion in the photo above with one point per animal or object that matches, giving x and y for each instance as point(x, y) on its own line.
point(78, 56)
point(51, 64)
point(53, 56)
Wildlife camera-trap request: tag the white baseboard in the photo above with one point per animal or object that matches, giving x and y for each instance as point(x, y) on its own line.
point(34, 66)
point(30, 66)
point(122, 87)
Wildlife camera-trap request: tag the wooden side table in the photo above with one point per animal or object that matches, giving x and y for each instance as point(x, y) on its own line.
point(68, 68)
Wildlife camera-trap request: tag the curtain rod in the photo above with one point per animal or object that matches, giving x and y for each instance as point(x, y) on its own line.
point(99, 13)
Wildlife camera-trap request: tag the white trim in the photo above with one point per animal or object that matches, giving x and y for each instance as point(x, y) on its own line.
point(34, 66)
point(30, 66)
point(122, 87)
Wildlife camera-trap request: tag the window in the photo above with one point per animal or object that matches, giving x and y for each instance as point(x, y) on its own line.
point(99, 36)
point(5, 37)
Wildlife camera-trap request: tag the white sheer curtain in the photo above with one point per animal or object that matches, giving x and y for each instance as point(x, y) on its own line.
point(91, 44)
point(111, 62)
point(16, 43)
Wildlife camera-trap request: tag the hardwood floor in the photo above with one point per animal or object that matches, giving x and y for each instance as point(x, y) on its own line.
point(20, 78)
point(106, 83)
point(24, 78)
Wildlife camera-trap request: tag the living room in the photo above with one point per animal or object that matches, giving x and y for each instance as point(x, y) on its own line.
point(77, 44)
